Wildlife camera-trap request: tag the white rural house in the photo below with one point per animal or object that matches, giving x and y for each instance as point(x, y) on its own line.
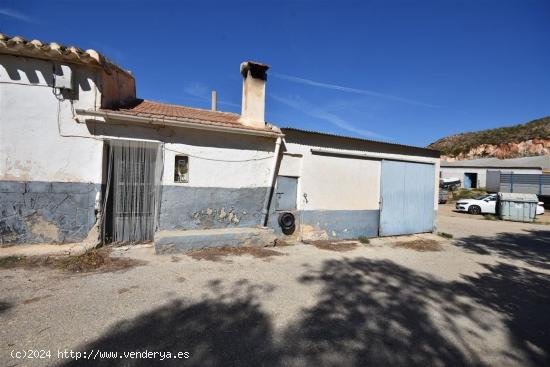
point(83, 157)
point(76, 145)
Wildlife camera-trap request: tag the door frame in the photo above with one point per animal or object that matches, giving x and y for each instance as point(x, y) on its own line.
point(108, 168)
point(472, 178)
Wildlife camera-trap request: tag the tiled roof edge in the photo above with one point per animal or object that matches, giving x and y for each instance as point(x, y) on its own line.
point(53, 51)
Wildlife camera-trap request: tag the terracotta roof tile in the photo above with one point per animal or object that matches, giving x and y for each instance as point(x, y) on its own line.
point(53, 51)
point(144, 108)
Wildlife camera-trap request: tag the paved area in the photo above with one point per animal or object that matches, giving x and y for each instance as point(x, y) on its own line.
point(483, 300)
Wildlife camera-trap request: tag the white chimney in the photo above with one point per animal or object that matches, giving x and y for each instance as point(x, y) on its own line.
point(214, 101)
point(253, 104)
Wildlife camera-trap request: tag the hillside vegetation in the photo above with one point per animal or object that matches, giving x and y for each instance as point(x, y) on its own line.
point(461, 144)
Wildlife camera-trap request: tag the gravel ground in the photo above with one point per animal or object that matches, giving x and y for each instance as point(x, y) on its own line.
point(482, 299)
point(448, 210)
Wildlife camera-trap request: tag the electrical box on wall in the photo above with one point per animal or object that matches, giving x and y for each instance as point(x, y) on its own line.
point(63, 77)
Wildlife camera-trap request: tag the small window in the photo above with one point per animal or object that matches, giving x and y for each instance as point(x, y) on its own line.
point(181, 169)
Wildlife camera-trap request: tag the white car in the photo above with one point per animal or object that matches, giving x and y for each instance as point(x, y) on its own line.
point(485, 204)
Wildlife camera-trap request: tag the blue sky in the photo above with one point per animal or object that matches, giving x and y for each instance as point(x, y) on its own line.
point(396, 70)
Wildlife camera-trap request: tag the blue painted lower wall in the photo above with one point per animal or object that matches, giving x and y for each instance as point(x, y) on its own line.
point(46, 212)
point(184, 207)
point(337, 224)
point(38, 212)
point(342, 224)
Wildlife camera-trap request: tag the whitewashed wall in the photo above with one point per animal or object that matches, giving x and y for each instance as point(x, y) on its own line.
point(343, 183)
point(33, 120)
point(216, 159)
point(223, 166)
point(41, 141)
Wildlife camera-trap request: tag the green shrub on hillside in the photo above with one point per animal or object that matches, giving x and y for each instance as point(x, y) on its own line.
point(462, 143)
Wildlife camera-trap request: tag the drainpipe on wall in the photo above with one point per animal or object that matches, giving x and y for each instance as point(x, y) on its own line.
point(265, 210)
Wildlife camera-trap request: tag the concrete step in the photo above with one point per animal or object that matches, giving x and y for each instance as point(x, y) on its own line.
point(167, 242)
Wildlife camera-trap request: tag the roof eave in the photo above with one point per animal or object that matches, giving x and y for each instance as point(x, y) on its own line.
point(491, 166)
point(427, 151)
point(180, 122)
point(18, 46)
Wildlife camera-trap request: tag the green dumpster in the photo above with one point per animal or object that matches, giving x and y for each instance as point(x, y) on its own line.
point(517, 207)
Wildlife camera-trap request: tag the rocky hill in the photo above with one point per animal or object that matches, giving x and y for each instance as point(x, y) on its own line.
point(530, 139)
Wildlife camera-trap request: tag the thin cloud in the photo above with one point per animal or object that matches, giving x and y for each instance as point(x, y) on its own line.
point(229, 104)
point(14, 14)
point(196, 90)
point(342, 88)
point(310, 110)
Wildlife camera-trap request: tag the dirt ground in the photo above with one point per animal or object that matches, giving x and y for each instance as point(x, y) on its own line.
point(479, 299)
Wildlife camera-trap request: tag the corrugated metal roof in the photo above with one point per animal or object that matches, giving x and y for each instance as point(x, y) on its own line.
point(540, 162)
point(432, 152)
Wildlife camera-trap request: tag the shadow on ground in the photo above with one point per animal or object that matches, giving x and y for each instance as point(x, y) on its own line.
point(229, 329)
point(532, 246)
point(374, 313)
point(4, 306)
point(523, 297)
point(368, 313)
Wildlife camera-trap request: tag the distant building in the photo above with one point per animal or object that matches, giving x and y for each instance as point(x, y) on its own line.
point(473, 173)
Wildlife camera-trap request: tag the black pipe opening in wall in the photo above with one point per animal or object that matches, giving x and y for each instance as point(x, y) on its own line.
point(287, 221)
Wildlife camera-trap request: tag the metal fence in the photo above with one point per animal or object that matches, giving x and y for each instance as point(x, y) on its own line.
point(521, 183)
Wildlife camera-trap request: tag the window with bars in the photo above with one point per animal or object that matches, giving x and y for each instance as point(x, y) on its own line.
point(181, 169)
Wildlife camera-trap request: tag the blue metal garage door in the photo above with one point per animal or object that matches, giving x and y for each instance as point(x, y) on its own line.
point(406, 198)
